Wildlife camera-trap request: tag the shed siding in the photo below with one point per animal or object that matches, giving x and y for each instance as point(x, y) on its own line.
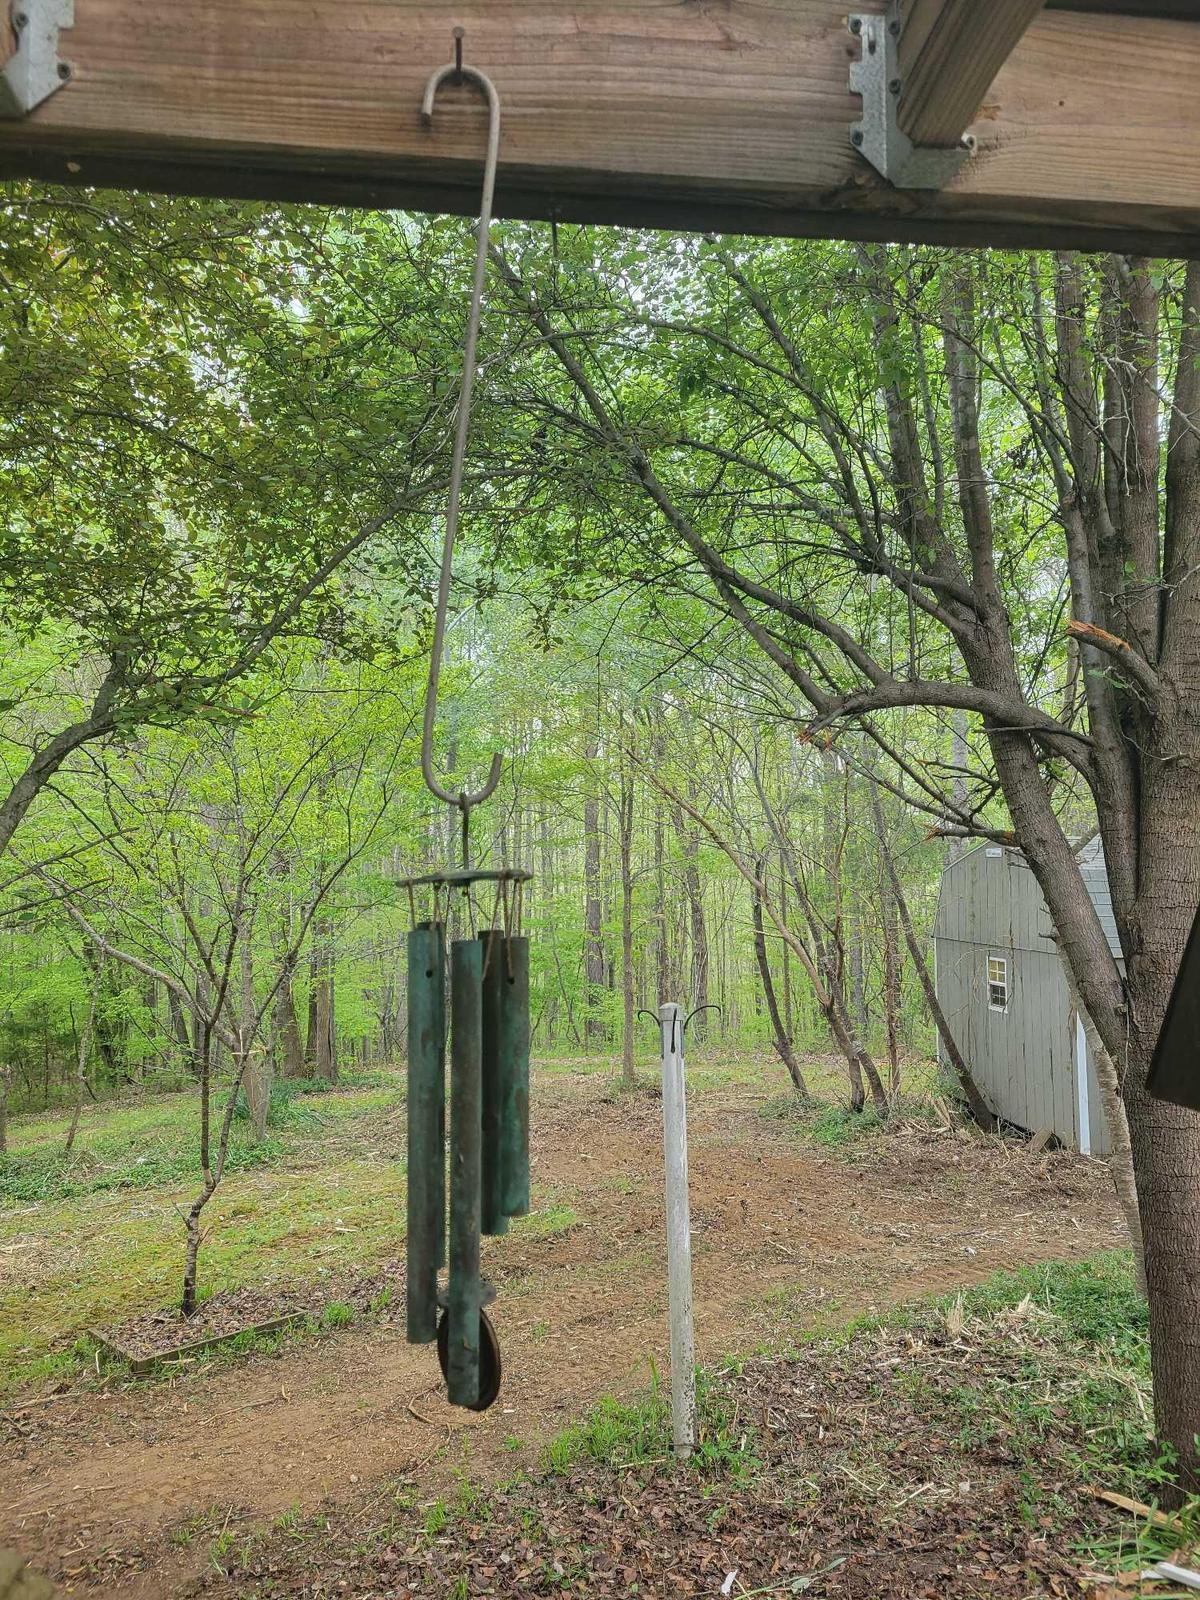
point(1023, 1059)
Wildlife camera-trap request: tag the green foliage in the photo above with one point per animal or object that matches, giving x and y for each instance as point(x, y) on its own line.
point(44, 1175)
point(637, 1433)
point(337, 1314)
point(832, 1127)
point(1095, 1302)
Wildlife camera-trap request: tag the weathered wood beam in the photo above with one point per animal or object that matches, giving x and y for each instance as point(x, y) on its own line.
point(721, 114)
point(950, 53)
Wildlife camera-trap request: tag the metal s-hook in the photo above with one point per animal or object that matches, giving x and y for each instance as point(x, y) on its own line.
point(459, 73)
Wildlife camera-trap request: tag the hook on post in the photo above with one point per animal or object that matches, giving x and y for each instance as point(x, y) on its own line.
point(459, 73)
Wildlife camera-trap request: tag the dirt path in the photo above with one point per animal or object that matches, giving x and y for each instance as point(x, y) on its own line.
point(783, 1237)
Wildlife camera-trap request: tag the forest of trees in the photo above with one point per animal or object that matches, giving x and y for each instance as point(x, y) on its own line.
point(786, 569)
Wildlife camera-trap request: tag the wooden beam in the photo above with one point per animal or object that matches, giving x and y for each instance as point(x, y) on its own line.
point(950, 53)
point(1183, 10)
point(714, 114)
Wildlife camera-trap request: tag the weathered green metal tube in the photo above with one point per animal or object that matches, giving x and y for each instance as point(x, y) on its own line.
point(492, 1217)
point(440, 929)
point(426, 1129)
point(466, 1129)
point(514, 1078)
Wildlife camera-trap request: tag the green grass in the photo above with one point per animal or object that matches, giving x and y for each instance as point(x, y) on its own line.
point(1095, 1302)
point(156, 1142)
point(89, 1243)
point(1083, 1377)
point(830, 1126)
point(557, 1217)
point(637, 1433)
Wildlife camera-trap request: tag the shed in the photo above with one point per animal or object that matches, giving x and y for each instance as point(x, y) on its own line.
point(1001, 985)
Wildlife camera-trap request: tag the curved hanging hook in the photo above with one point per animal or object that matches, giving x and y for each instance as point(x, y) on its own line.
point(458, 72)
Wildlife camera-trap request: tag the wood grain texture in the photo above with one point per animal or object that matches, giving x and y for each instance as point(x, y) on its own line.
point(950, 53)
point(727, 114)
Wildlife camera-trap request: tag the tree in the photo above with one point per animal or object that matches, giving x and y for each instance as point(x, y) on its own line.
point(197, 440)
point(215, 815)
point(910, 478)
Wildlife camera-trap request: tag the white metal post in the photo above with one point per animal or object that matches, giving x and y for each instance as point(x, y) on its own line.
point(679, 1232)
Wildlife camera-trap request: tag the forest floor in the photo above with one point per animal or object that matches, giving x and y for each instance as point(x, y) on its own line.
point(800, 1223)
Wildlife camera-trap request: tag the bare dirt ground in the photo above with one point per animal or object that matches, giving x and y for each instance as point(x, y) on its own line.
point(101, 1486)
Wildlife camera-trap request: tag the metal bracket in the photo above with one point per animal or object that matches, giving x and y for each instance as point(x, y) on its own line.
point(876, 77)
point(34, 71)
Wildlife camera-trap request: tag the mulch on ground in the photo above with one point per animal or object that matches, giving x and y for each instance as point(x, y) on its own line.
point(878, 1468)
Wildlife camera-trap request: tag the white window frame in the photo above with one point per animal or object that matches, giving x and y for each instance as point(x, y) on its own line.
point(994, 983)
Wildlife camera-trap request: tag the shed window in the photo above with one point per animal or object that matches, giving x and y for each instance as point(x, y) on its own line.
point(997, 982)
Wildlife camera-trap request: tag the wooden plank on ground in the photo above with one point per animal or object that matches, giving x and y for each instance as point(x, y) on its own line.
point(733, 115)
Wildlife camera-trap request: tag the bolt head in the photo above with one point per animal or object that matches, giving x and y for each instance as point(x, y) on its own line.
point(856, 26)
point(856, 138)
point(894, 86)
point(21, 20)
point(64, 70)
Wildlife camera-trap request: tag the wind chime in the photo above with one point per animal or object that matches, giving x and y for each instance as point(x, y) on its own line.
point(489, 994)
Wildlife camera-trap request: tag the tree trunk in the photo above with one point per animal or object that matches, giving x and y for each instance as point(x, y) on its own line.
point(690, 848)
point(858, 982)
point(292, 1045)
point(593, 940)
point(253, 1064)
point(325, 1057)
point(1120, 1162)
point(81, 1059)
point(179, 1028)
point(783, 1043)
point(320, 1053)
point(891, 985)
point(5, 1080)
point(625, 802)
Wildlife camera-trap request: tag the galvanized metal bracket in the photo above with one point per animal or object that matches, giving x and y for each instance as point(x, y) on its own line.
point(35, 70)
point(878, 137)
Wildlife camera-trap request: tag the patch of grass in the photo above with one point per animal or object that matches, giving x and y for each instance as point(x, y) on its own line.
point(623, 1434)
point(1095, 1301)
point(1080, 1394)
point(831, 1125)
point(337, 1314)
point(436, 1518)
point(91, 1262)
point(155, 1142)
point(557, 1217)
point(41, 1175)
point(838, 1128)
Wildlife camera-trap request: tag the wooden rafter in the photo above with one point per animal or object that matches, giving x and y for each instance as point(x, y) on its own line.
point(723, 114)
point(950, 53)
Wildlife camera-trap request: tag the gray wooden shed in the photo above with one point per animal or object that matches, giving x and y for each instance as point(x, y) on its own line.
point(1001, 984)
